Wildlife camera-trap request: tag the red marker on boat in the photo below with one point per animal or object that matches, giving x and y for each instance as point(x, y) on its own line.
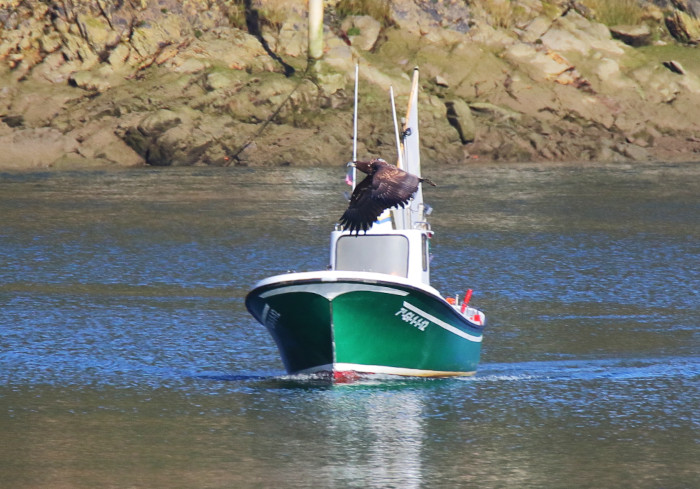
point(467, 297)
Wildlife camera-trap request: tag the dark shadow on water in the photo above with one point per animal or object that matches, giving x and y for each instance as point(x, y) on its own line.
point(325, 381)
point(271, 381)
point(231, 377)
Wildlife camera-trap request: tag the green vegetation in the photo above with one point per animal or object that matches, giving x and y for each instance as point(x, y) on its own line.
point(507, 13)
point(550, 10)
point(501, 12)
point(615, 12)
point(687, 57)
point(235, 11)
point(377, 9)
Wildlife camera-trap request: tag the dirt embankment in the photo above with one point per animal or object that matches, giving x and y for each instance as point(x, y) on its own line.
point(168, 82)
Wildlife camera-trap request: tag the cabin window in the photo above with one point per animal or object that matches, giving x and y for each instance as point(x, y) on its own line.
point(373, 253)
point(426, 252)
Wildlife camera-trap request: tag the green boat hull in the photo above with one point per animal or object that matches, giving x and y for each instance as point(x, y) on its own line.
point(325, 321)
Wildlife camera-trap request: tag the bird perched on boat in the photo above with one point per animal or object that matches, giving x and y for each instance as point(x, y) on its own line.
point(385, 186)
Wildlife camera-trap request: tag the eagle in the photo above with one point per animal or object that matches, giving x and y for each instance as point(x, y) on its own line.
point(385, 186)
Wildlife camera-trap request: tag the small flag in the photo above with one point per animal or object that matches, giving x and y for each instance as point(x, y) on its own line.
point(348, 177)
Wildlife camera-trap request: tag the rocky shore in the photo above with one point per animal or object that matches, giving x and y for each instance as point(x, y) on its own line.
point(165, 82)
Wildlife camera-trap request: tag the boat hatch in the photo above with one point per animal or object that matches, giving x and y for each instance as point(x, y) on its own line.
point(373, 253)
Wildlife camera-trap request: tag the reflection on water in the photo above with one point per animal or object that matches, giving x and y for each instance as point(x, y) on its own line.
point(380, 435)
point(127, 358)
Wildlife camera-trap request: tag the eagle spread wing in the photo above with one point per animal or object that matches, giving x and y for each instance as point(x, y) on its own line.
point(386, 187)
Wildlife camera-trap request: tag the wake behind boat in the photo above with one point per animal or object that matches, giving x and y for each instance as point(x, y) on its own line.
point(374, 311)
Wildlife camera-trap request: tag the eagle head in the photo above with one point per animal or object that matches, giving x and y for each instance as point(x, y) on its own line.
point(364, 167)
point(369, 167)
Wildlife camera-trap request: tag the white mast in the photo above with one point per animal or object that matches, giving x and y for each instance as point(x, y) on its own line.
point(396, 130)
point(354, 128)
point(409, 160)
point(410, 141)
point(315, 29)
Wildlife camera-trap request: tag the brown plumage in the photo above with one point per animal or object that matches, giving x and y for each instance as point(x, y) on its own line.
point(385, 186)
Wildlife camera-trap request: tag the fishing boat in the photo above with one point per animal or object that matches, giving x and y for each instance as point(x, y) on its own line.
point(373, 311)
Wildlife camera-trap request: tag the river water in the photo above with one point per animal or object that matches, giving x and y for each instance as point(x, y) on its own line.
point(128, 360)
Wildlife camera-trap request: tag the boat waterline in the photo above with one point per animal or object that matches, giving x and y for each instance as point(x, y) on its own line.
point(342, 369)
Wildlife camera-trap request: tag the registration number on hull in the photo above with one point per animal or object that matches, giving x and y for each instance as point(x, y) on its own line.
point(412, 318)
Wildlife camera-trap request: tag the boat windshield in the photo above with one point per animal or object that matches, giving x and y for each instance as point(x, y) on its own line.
point(373, 253)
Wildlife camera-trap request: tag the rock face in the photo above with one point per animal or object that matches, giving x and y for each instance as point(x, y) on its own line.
point(172, 82)
point(683, 22)
point(633, 35)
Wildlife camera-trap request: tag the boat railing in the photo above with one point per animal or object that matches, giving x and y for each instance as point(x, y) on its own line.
point(422, 225)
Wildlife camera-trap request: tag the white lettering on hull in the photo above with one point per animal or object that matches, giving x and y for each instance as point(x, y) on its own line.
point(424, 316)
point(412, 318)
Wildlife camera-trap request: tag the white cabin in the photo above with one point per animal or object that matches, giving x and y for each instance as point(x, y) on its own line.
point(403, 253)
